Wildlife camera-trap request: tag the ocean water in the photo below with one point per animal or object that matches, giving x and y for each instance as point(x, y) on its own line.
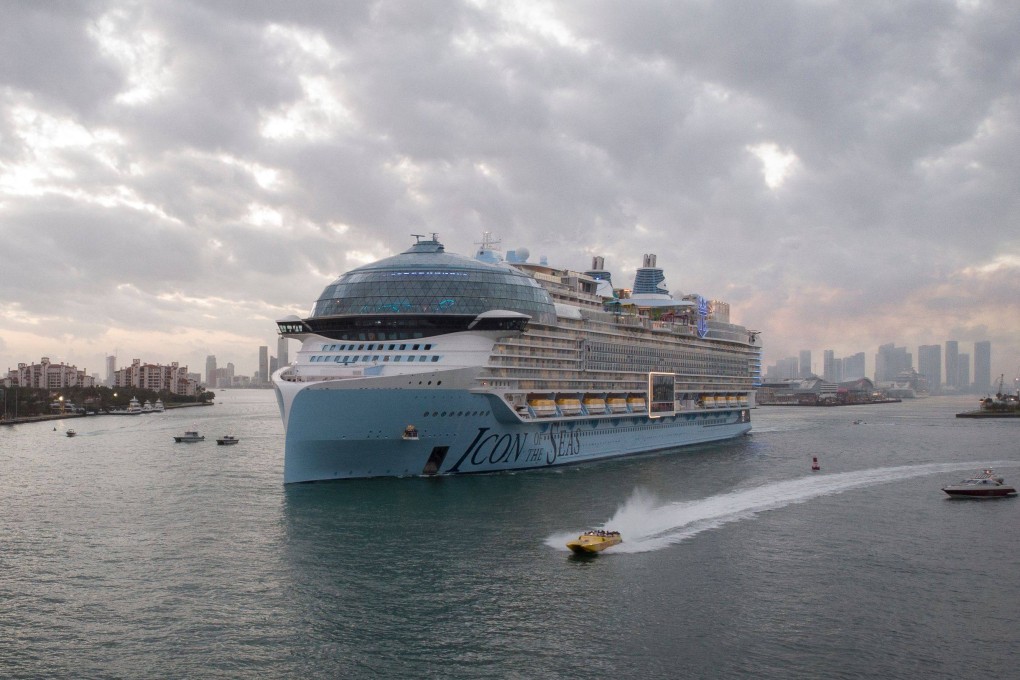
point(126, 555)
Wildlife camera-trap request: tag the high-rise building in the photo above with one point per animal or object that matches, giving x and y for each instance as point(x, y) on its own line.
point(805, 363)
point(929, 364)
point(210, 370)
point(282, 353)
point(111, 369)
point(952, 363)
point(784, 369)
point(983, 366)
point(963, 375)
point(853, 367)
point(891, 361)
point(263, 364)
point(829, 366)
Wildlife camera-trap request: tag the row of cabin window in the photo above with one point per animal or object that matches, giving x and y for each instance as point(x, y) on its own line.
point(348, 359)
point(362, 347)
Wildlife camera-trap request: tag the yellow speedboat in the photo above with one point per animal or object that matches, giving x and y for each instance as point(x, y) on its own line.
point(595, 541)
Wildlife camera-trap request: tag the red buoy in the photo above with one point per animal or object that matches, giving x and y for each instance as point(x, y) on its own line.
point(814, 463)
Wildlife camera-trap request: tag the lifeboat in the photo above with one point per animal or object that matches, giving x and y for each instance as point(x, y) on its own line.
point(731, 401)
point(617, 404)
point(595, 405)
point(569, 406)
point(595, 541)
point(543, 408)
point(636, 404)
point(708, 401)
point(744, 401)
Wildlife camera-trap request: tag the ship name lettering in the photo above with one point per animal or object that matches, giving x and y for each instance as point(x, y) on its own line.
point(563, 444)
point(503, 448)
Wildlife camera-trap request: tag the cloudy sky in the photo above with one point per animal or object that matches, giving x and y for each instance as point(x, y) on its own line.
point(174, 176)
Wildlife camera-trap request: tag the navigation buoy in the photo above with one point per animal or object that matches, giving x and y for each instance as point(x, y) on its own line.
point(814, 463)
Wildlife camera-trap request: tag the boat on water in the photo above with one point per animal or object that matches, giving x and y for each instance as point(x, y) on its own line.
point(227, 440)
point(504, 364)
point(987, 485)
point(189, 436)
point(158, 406)
point(71, 433)
point(134, 408)
point(595, 541)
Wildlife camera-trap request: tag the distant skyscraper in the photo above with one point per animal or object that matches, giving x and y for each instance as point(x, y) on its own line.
point(983, 366)
point(282, 353)
point(805, 363)
point(853, 367)
point(890, 361)
point(111, 370)
point(210, 370)
point(264, 363)
point(929, 364)
point(963, 379)
point(952, 363)
point(829, 366)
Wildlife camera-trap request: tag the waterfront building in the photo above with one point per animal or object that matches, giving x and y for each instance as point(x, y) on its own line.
point(48, 375)
point(829, 361)
point(890, 362)
point(963, 372)
point(929, 364)
point(210, 370)
point(111, 368)
point(264, 374)
point(952, 363)
point(784, 369)
point(282, 351)
point(156, 377)
point(983, 366)
point(853, 367)
point(815, 391)
point(805, 369)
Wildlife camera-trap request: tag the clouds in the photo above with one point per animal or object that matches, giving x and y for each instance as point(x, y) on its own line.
point(843, 174)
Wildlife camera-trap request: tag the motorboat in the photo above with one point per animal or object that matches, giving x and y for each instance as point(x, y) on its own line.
point(988, 485)
point(595, 541)
point(190, 436)
point(71, 433)
point(227, 439)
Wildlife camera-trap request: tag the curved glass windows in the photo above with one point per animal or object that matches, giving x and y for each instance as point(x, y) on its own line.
point(427, 282)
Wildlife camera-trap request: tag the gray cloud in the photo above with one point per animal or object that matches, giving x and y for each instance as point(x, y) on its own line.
point(190, 171)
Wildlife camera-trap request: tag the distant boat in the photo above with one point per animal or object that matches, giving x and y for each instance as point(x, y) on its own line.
point(147, 407)
point(71, 433)
point(227, 439)
point(158, 406)
point(190, 436)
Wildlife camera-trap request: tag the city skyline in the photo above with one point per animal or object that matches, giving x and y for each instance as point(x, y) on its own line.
point(944, 366)
point(174, 177)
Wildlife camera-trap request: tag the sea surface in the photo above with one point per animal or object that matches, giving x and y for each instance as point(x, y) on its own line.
point(126, 555)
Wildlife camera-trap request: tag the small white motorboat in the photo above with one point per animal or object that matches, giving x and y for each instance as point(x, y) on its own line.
point(190, 436)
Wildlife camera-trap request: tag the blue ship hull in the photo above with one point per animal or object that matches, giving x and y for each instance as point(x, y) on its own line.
point(352, 433)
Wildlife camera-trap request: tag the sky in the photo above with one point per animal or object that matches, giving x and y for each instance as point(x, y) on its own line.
point(174, 177)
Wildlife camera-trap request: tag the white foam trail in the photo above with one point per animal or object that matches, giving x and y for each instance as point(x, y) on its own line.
point(647, 524)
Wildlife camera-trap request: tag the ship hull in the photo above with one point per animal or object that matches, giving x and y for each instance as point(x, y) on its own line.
point(355, 433)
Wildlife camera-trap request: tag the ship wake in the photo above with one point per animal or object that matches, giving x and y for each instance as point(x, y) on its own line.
point(647, 523)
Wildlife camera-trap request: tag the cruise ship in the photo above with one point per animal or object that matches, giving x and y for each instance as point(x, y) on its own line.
point(431, 363)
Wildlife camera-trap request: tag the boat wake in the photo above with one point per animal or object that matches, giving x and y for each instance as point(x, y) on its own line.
point(647, 523)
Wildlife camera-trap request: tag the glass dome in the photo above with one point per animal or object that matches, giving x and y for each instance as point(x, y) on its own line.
point(427, 281)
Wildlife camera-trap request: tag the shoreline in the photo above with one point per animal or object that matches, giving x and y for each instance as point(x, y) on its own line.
point(64, 416)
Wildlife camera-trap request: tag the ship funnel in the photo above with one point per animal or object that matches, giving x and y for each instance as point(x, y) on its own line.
point(649, 260)
point(598, 262)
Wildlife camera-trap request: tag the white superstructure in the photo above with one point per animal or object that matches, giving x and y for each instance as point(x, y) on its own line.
point(498, 366)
